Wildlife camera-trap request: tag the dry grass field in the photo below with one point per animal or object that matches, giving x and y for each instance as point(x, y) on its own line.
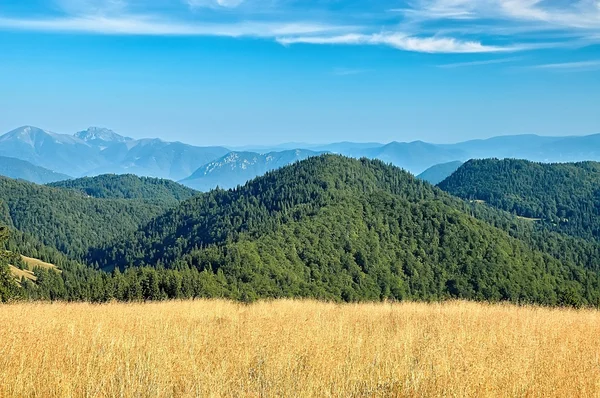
point(297, 349)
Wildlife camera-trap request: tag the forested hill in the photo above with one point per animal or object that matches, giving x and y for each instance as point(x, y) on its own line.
point(342, 229)
point(563, 197)
point(70, 221)
point(129, 186)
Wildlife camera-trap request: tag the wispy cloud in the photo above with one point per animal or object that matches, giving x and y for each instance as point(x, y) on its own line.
point(572, 14)
point(402, 42)
point(479, 63)
point(426, 26)
point(580, 66)
point(151, 26)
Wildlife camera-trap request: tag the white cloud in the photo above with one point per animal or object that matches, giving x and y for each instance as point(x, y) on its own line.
point(427, 26)
point(401, 42)
point(479, 63)
point(571, 66)
point(151, 26)
point(572, 14)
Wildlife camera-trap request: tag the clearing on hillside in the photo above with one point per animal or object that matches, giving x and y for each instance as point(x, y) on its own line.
point(22, 273)
point(31, 263)
point(34, 262)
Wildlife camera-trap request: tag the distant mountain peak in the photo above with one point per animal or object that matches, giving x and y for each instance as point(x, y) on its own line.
point(32, 136)
point(101, 134)
point(26, 132)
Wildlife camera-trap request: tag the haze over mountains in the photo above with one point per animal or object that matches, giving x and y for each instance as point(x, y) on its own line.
point(97, 151)
point(100, 151)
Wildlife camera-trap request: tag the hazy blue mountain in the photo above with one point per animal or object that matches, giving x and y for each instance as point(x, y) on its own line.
point(438, 173)
point(510, 146)
point(62, 153)
point(415, 156)
point(97, 151)
point(571, 149)
point(236, 168)
point(102, 151)
point(101, 137)
point(157, 158)
point(23, 170)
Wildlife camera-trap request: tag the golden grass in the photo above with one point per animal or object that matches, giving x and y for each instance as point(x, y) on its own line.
point(31, 263)
point(22, 273)
point(34, 262)
point(297, 349)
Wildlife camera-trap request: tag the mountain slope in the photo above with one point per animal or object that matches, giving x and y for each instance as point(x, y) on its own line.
point(101, 151)
point(128, 186)
point(438, 173)
point(342, 229)
point(236, 168)
point(564, 197)
point(23, 170)
point(61, 153)
point(67, 220)
point(156, 158)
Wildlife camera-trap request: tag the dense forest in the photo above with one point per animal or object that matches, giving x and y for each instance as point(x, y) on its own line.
point(129, 186)
point(328, 227)
point(563, 197)
point(71, 221)
point(344, 229)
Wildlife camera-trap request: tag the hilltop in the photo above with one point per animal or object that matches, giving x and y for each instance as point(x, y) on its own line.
point(70, 221)
point(128, 186)
point(562, 196)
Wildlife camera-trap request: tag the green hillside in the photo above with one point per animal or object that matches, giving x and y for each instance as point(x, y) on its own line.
point(129, 186)
point(342, 229)
point(70, 221)
point(562, 197)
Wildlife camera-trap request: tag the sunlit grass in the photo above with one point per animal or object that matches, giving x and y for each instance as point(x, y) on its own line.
point(297, 349)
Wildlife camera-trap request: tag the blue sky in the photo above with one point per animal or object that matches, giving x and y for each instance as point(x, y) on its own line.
point(240, 72)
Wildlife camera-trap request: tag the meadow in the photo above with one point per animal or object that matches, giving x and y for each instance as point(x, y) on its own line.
point(297, 349)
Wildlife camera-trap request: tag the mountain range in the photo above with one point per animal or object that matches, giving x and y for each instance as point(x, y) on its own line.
point(97, 151)
point(328, 227)
point(100, 151)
